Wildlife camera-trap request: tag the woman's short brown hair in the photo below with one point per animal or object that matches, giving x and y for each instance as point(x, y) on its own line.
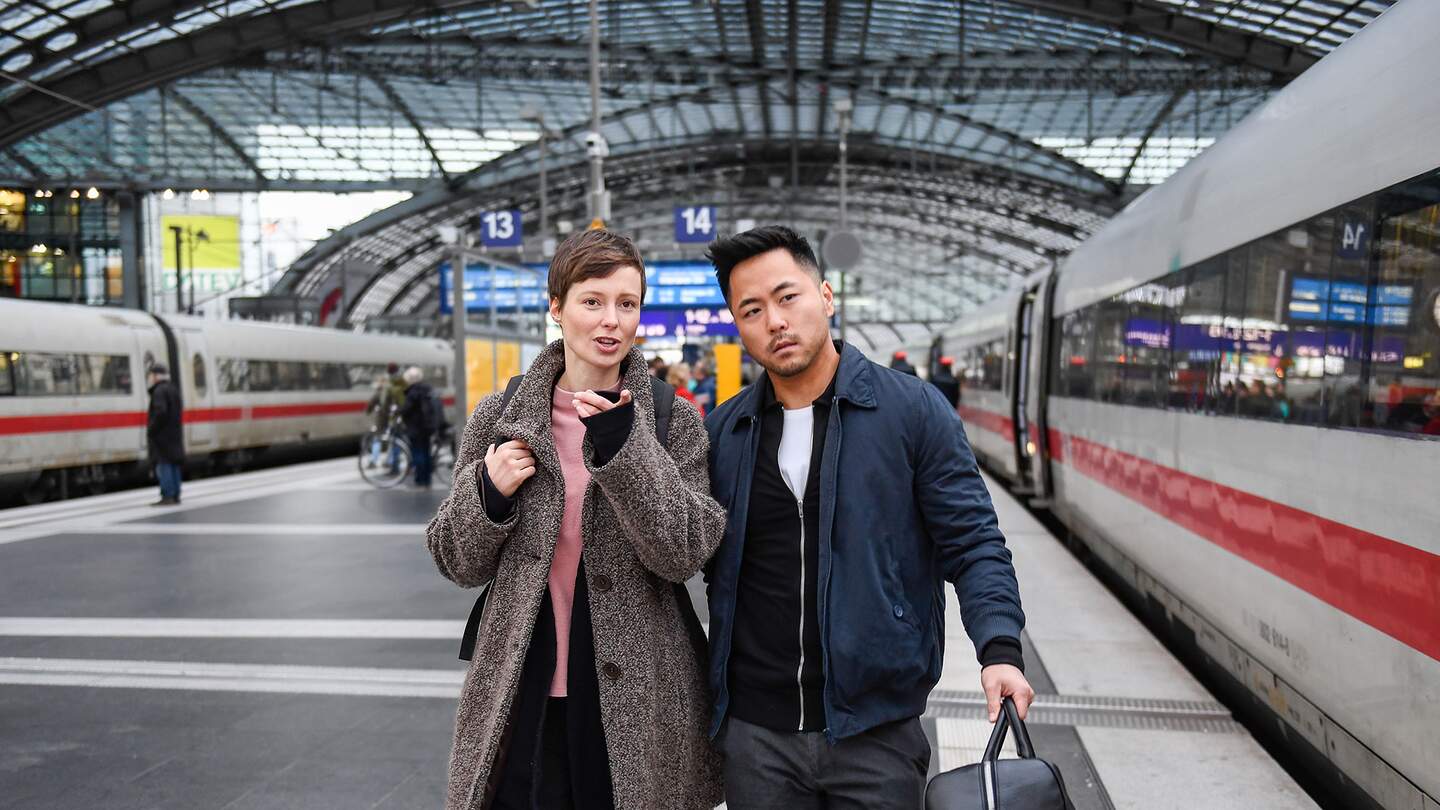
point(592, 254)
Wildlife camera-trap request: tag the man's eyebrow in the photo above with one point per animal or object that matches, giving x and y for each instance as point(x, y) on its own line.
point(778, 288)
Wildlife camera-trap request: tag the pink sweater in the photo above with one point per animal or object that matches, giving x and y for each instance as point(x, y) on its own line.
point(569, 434)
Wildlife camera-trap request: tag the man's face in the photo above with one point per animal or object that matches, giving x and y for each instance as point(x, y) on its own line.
point(782, 313)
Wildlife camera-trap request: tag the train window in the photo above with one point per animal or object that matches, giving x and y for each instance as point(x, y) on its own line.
point(46, 374)
point(7, 374)
point(1259, 372)
point(233, 374)
point(261, 376)
point(1199, 336)
point(1074, 376)
point(1110, 355)
point(291, 376)
point(197, 372)
point(1337, 304)
point(102, 374)
point(1404, 310)
point(1149, 332)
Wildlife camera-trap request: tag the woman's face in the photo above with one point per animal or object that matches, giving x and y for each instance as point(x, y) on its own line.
point(599, 317)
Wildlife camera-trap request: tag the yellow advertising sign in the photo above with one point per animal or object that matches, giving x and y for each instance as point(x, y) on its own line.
point(209, 247)
point(727, 371)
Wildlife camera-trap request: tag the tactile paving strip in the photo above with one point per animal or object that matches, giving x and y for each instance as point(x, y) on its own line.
point(1099, 710)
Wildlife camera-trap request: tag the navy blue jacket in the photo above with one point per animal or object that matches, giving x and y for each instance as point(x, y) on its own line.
point(902, 510)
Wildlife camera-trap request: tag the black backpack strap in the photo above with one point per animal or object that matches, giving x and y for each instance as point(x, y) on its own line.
point(664, 396)
point(510, 390)
point(472, 625)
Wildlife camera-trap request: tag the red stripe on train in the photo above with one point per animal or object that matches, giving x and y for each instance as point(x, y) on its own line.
point(1390, 586)
point(16, 425)
point(989, 420)
point(107, 420)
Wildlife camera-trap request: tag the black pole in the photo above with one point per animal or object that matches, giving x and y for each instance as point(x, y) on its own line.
point(179, 279)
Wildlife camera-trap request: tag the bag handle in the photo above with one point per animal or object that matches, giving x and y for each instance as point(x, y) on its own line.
point(1009, 718)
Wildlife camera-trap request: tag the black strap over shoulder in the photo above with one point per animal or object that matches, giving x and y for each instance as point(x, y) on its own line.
point(664, 395)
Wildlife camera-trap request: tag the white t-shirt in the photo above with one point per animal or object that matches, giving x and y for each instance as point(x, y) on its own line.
point(796, 441)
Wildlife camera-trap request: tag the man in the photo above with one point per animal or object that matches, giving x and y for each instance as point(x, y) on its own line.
point(421, 422)
point(944, 380)
point(851, 495)
point(900, 361)
point(704, 386)
point(163, 434)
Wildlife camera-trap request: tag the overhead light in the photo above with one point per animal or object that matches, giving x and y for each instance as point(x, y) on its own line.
point(39, 193)
point(39, 248)
point(74, 193)
point(168, 194)
point(93, 193)
point(199, 194)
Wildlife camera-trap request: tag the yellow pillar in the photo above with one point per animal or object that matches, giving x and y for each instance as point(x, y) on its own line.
point(727, 371)
point(478, 373)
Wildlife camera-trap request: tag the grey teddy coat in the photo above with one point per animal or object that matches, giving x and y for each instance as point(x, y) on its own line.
point(648, 520)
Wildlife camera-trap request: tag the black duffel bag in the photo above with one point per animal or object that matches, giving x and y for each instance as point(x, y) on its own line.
point(1027, 783)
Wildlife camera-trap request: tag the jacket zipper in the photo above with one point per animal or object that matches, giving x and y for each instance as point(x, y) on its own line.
point(800, 672)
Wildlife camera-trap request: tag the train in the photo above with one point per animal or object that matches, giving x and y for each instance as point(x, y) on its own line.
point(1229, 399)
point(73, 397)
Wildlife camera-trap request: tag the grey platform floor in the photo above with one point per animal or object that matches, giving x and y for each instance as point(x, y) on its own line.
point(283, 640)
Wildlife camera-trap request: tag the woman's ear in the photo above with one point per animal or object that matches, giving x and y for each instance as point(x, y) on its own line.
point(555, 310)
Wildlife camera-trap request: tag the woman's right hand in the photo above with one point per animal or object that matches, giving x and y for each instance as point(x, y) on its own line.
point(509, 465)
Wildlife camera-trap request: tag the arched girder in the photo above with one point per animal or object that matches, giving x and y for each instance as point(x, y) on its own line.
point(1166, 22)
point(644, 175)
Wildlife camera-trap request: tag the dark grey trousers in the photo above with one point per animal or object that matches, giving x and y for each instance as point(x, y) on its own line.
point(882, 769)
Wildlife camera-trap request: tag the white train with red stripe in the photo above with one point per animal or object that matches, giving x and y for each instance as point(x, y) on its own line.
point(73, 399)
point(1230, 395)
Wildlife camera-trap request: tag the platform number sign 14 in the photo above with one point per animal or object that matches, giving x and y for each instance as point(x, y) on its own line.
point(695, 223)
point(1354, 240)
point(500, 228)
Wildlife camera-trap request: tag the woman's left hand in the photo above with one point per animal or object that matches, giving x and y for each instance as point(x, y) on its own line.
point(589, 403)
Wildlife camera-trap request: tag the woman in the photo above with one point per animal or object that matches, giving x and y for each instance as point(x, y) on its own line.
point(584, 689)
point(678, 376)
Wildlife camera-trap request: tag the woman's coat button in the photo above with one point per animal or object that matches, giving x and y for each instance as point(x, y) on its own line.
point(602, 583)
point(611, 671)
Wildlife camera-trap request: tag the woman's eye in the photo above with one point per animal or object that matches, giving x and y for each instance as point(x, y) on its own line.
point(590, 302)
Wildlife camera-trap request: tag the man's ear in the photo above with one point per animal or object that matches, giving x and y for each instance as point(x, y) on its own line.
point(827, 294)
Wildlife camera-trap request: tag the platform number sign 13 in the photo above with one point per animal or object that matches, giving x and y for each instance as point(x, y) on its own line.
point(695, 223)
point(500, 228)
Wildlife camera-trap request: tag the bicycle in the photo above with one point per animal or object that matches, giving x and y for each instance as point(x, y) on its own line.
point(385, 459)
point(442, 455)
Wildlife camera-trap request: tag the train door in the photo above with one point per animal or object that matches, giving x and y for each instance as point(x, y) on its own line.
point(1020, 400)
point(1038, 443)
point(197, 378)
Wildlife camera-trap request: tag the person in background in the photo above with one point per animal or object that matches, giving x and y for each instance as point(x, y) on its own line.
point(164, 434)
point(378, 408)
point(586, 689)
point(704, 386)
point(826, 633)
point(657, 367)
point(944, 380)
point(900, 362)
point(421, 422)
point(679, 378)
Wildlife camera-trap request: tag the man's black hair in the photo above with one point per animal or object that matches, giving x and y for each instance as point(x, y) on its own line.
point(731, 250)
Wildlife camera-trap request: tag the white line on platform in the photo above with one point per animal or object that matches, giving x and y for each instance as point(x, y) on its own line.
point(70, 627)
point(406, 531)
point(87, 519)
point(432, 683)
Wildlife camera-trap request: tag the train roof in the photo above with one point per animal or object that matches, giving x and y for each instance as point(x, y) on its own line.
point(1362, 119)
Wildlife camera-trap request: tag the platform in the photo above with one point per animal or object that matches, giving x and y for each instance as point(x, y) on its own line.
point(282, 639)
